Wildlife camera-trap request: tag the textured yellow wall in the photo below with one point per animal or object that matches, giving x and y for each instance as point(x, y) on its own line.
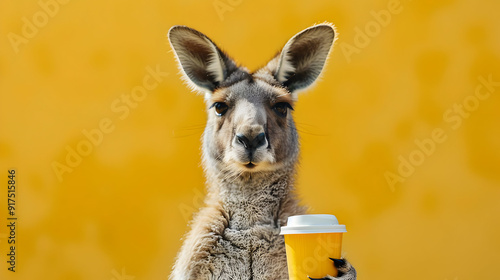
point(400, 139)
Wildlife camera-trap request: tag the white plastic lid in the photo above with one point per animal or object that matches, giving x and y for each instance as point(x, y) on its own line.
point(321, 223)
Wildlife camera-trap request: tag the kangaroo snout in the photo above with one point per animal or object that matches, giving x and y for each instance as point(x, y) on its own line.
point(251, 144)
point(247, 141)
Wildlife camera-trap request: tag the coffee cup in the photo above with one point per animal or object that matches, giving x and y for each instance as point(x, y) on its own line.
point(310, 241)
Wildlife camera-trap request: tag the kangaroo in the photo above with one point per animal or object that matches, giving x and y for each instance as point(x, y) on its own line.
point(250, 152)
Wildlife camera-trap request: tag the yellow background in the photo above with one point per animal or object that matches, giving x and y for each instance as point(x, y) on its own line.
point(121, 212)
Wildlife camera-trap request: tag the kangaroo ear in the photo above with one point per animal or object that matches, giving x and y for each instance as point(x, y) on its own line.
point(203, 64)
point(303, 57)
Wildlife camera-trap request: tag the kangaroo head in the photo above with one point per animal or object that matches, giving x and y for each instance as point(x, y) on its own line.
point(250, 128)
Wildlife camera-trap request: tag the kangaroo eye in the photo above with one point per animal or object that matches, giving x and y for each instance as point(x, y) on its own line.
point(282, 108)
point(220, 108)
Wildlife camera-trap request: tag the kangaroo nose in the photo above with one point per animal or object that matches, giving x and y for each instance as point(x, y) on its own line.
point(253, 144)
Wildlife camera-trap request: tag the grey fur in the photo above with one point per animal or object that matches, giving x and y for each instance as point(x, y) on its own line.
point(250, 190)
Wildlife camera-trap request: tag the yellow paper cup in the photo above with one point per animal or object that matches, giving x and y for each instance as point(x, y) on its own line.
point(310, 241)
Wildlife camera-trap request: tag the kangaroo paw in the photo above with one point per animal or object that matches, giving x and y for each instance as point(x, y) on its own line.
point(345, 269)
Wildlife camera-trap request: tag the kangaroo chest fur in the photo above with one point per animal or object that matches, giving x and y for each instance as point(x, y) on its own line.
point(256, 253)
point(249, 246)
